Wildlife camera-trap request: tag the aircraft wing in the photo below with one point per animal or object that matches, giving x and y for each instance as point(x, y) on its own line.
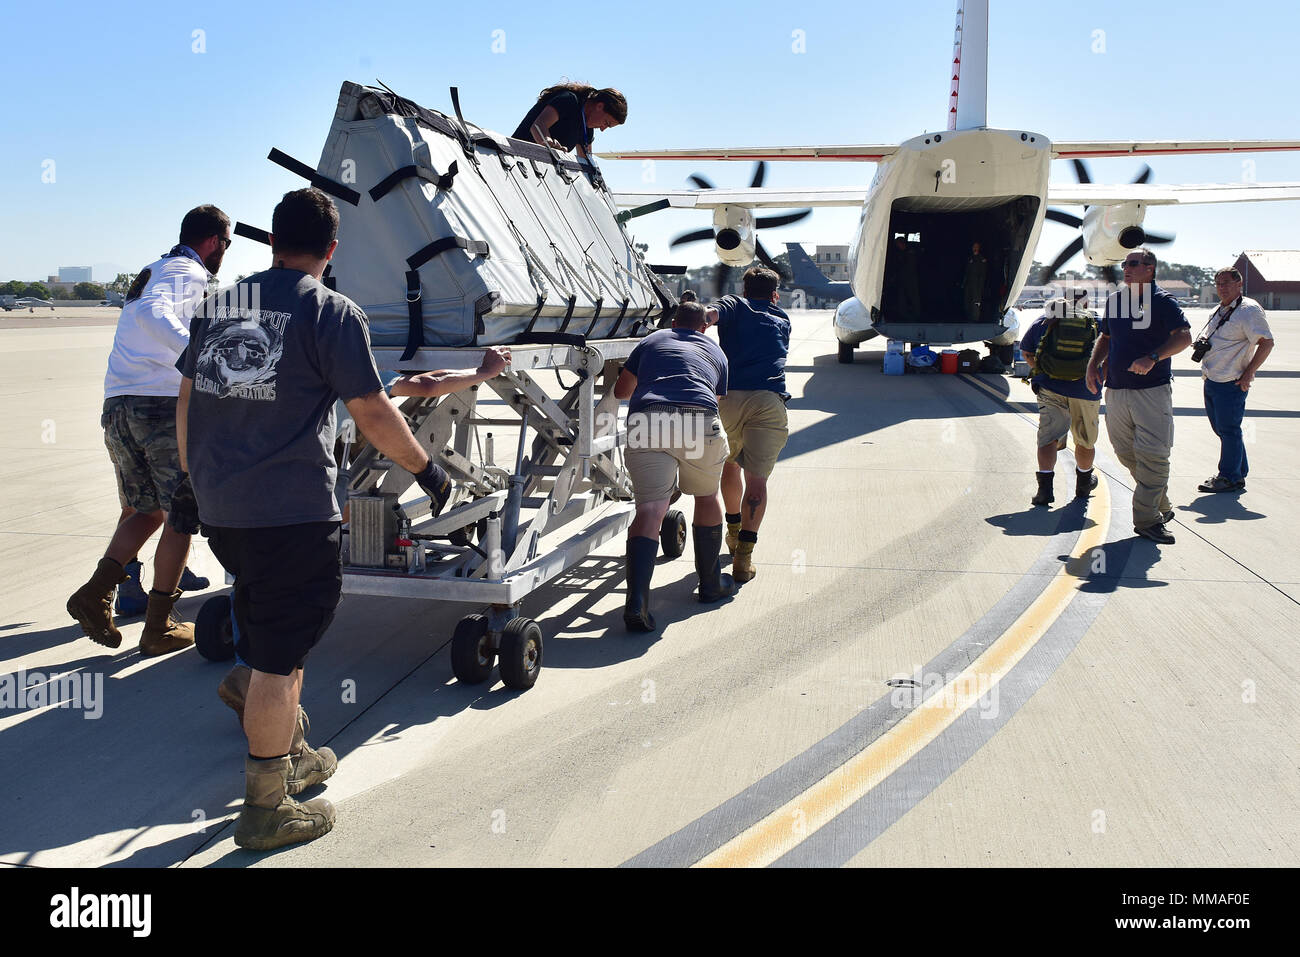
point(860, 153)
point(751, 197)
point(1082, 149)
point(1101, 194)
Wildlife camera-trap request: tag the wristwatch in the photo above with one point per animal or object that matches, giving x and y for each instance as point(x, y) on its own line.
point(1153, 356)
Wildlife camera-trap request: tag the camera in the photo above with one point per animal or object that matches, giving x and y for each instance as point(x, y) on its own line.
point(1199, 348)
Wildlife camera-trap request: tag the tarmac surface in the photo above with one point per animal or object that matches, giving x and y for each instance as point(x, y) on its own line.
point(926, 670)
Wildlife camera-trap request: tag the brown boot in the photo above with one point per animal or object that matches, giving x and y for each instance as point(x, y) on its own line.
point(234, 689)
point(733, 537)
point(270, 818)
point(162, 632)
point(742, 562)
point(92, 604)
point(309, 766)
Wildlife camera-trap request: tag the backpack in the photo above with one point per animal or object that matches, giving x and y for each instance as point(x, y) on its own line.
point(1066, 345)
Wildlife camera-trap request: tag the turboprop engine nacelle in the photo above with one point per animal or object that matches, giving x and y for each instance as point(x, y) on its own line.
point(1109, 232)
point(733, 235)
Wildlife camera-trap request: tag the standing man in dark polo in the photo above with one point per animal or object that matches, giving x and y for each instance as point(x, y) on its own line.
point(1239, 341)
point(755, 337)
point(1140, 331)
point(255, 424)
point(674, 441)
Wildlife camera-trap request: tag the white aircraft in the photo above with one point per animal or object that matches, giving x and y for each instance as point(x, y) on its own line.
point(947, 191)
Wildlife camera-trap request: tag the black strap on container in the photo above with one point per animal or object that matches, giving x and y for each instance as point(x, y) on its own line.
point(550, 339)
point(253, 233)
point(442, 181)
point(462, 133)
point(595, 317)
point(414, 314)
point(338, 190)
point(568, 314)
point(654, 207)
point(475, 247)
point(541, 301)
point(613, 333)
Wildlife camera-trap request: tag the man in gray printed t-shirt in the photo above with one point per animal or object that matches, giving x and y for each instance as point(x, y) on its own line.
point(255, 423)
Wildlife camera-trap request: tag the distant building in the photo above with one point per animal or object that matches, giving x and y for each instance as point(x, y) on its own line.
point(833, 261)
point(1272, 277)
point(74, 274)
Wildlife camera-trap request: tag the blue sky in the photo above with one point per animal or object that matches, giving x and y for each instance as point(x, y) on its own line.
point(140, 127)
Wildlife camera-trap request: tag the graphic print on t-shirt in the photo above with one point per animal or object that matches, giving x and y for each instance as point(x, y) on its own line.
point(240, 352)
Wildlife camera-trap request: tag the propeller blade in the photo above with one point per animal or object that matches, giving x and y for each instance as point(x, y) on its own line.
point(785, 219)
point(760, 170)
point(1144, 175)
point(720, 275)
point(767, 260)
point(699, 181)
point(691, 237)
point(1060, 216)
point(1066, 254)
point(1081, 171)
point(1157, 239)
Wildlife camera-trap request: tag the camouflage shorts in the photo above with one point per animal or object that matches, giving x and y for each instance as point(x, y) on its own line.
point(140, 432)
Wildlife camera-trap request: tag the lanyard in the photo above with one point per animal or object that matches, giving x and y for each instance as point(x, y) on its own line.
point(1226, 316)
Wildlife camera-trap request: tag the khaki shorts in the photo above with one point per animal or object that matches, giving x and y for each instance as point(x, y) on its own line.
point(1059, 416)
point(757, 428)
point(669, 449)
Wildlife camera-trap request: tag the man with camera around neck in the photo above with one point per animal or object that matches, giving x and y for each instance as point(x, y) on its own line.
point(1142, 328)
point(1228, 367)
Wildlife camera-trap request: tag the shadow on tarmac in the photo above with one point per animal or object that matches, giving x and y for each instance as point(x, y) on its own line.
point(1216, 508)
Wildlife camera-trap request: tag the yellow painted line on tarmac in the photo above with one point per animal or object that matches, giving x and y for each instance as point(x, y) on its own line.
point(789, 825)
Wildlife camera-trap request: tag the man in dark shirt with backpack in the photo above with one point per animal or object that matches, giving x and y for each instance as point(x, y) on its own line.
point(1057, 346)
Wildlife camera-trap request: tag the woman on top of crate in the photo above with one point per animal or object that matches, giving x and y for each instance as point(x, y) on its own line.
point(567, 115)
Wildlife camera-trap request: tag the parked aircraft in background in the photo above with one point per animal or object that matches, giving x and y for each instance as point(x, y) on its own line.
point(914, 274)
point(807, 276)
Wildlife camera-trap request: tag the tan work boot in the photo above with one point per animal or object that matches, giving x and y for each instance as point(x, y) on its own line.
point(309, 766)
point(92, 604)
point(733, 537)
point(270, 818)
point(162, 632)
point(234, 689)
point(742, 562)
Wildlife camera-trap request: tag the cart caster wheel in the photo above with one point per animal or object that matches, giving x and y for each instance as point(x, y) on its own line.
point(520, 655)
point(846, 354)
point(214, 636)
point(672, 534)
point(471, 652)
point(463, 536)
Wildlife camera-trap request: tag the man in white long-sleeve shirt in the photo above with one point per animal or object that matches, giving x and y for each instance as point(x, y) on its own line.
point(139, 423)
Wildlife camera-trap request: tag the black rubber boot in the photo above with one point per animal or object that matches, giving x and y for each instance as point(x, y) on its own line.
point(1044, 496)
point(1084, 483)
point(714, 586)
point(641, 554)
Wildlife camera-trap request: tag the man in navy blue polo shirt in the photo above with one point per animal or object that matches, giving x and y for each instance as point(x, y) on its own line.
point(674, 441)
point(1141, 330)
point(755, 335)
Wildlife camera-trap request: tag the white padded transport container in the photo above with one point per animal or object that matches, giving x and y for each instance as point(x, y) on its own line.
point(461, 236)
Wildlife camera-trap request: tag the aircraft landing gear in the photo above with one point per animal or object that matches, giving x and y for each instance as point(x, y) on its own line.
point(846, 353)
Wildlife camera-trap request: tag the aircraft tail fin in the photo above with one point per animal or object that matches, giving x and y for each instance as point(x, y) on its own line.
point(968, 98)
point(805, 270)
